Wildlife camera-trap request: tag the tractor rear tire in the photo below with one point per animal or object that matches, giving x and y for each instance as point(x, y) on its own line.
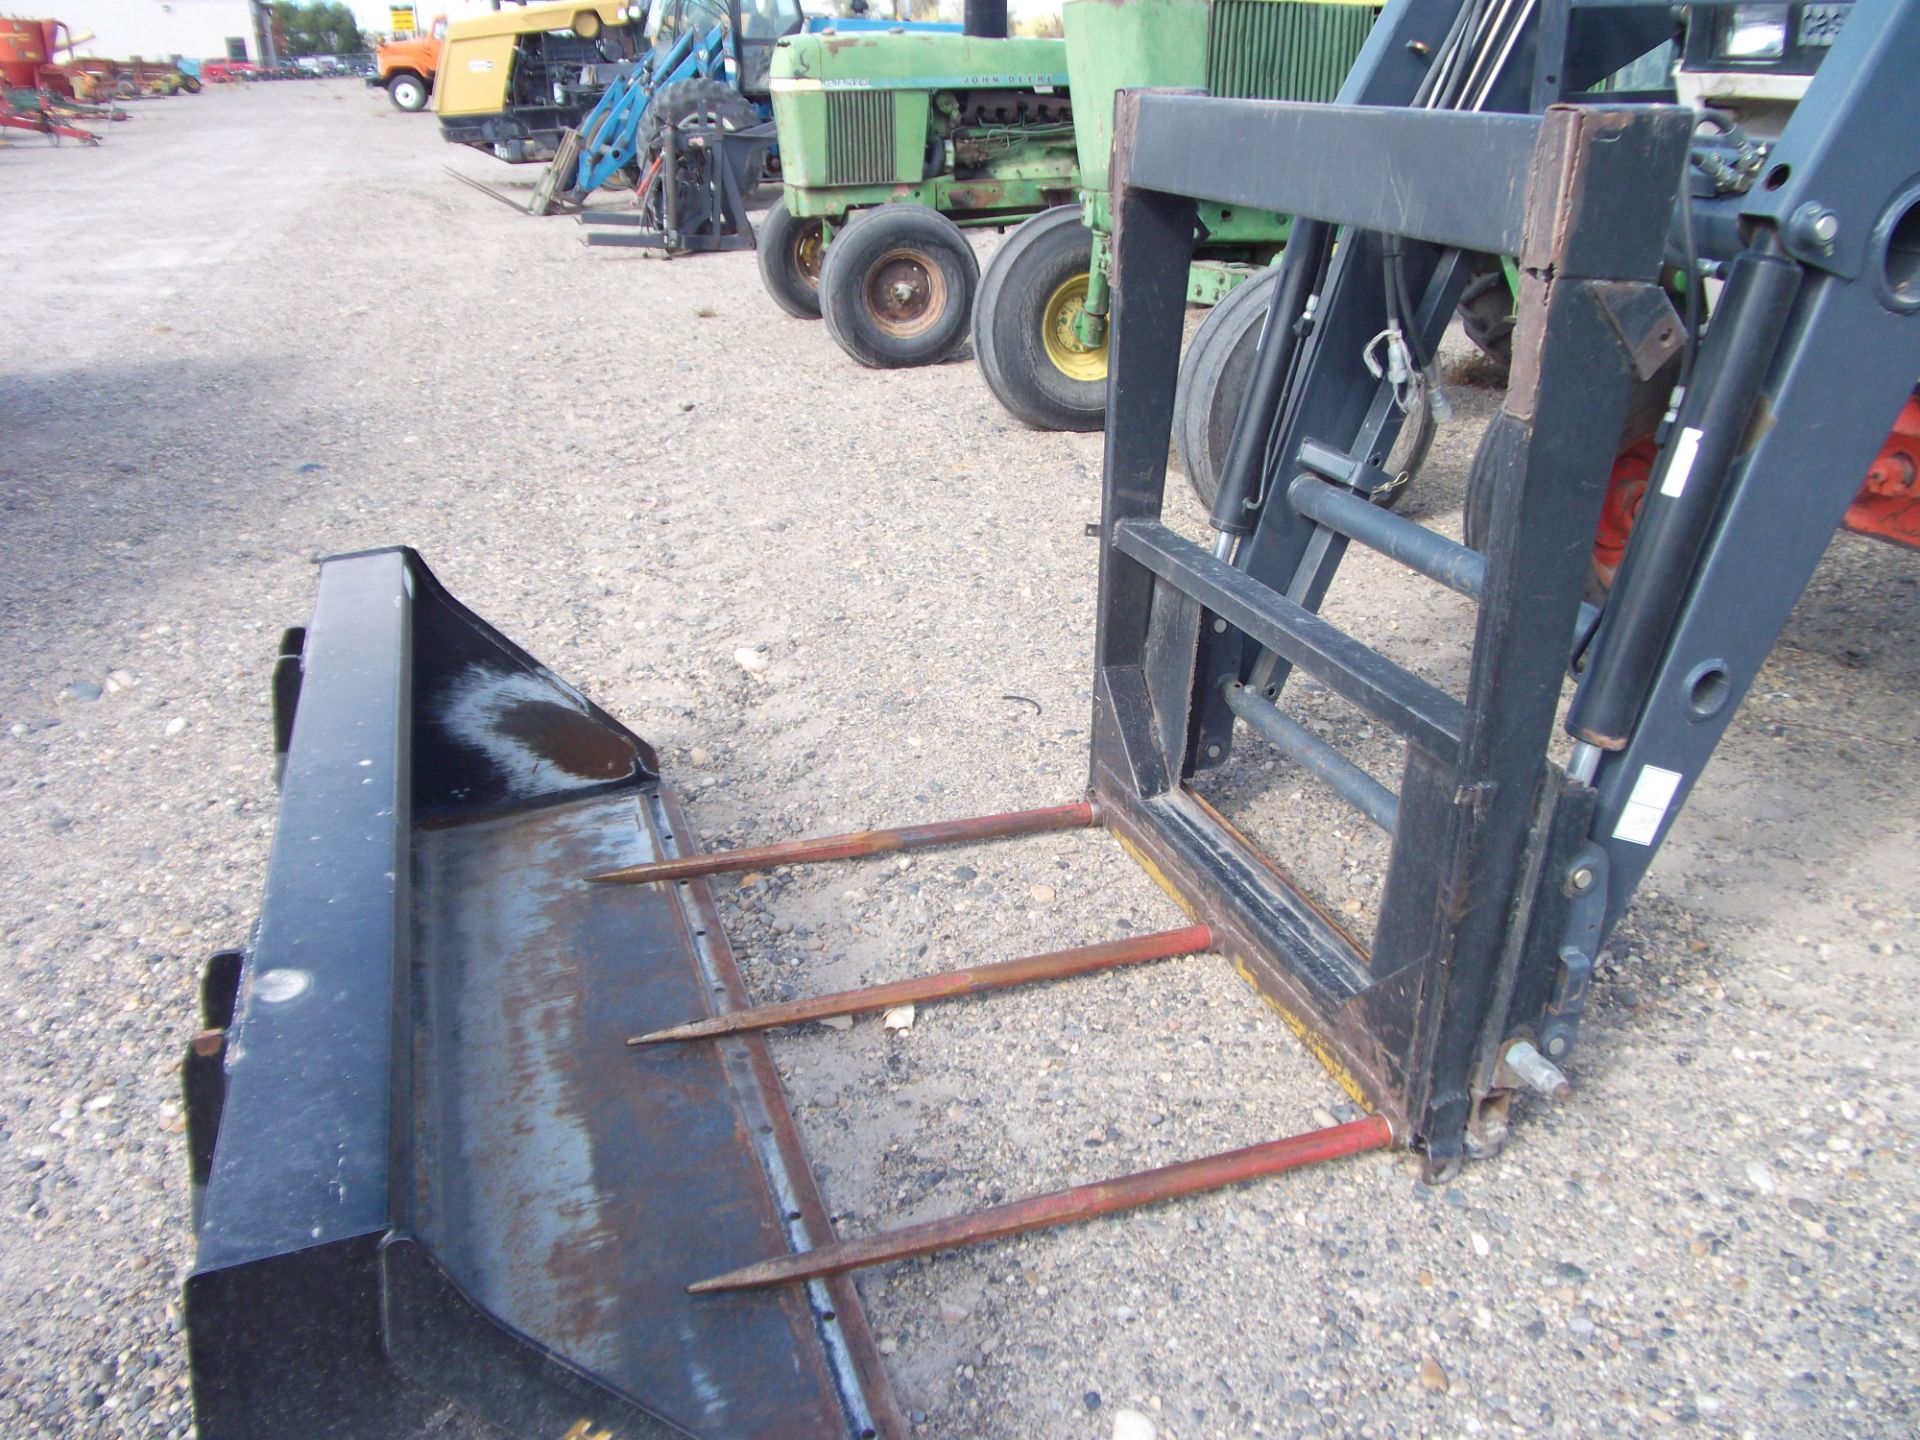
point(1213, 380)
point(190, 84)
point(1034, 289)
point(1486, 312)
point(897, 287)
point(408, 93)
point(692, 105)
point(1214, 374)
point(791, 254)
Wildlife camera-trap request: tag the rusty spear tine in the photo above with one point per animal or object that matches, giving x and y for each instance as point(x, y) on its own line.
point(854, 846)
point(1059, 1208)
point(999, 975)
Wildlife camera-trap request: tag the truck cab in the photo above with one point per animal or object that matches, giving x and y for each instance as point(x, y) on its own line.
point(406, 68)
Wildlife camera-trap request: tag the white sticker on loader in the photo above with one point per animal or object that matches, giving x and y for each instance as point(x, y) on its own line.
point(479, 67)
point(1647, 805)
point(1685, 450)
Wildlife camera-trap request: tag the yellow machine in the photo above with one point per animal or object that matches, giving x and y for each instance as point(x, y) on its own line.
point(511, 82)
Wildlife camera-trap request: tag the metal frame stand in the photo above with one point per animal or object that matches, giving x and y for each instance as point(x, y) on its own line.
point(1582, 197)
point(1506, 872)
point(711, 215)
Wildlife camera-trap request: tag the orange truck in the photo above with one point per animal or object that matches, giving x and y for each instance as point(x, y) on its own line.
point(405, 68)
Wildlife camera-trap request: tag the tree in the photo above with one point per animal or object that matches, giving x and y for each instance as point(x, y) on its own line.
point(324, 28)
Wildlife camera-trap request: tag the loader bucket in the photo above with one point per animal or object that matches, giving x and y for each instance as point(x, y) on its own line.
point(428, 1166)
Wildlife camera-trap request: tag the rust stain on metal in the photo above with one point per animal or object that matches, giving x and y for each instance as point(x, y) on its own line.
point(1061, 1207)
point(567, 739)
point(857, 845)
point(999, 975)
point(1341, 1040)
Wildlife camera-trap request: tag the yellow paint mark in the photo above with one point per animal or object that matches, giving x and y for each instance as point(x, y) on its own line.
point(583, 1430)
point(1316, 1045)
point(1307, 1036)
point(1155, 874)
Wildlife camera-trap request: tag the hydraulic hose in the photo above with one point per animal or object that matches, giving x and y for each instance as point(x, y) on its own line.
point(1235, 507)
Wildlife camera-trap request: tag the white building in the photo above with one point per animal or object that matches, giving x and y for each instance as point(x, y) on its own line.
point(237, 29)
point(215, 29)
point(162, 29)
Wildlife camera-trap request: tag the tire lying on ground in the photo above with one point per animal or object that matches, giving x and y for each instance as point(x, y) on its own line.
point(790, 253)
point(408, 93)
point(897, 286)
point(1023, 325)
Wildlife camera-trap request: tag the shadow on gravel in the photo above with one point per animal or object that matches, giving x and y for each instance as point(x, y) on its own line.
point(129, 475)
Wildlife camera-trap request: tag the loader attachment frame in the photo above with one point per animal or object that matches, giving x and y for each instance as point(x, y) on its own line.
point(436, 1172)
point(1508, 865)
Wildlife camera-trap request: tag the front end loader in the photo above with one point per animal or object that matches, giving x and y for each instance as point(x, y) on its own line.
point(913, 137)
point(482, 1114)
point(513, 82)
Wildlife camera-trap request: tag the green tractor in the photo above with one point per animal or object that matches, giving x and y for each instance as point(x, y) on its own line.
point(890, 143)
point(1040, 320)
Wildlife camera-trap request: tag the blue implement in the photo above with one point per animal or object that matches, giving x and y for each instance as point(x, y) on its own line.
point(610, 135)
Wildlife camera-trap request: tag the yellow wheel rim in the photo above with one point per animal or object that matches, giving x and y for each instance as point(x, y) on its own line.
point(807, 252)
point(1071, 356)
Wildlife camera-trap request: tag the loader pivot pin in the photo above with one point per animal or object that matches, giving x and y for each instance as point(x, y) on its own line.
point(1083, 1202)
point(999, 975)
point(855, 846)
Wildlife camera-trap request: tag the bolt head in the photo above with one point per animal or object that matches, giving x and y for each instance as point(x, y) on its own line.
point(1219, 627)
point(1557, 1046)
point(1581, 880)
point(1213, 752)
point(1825, 227)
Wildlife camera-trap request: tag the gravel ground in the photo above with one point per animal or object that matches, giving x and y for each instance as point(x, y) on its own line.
point(262, 325)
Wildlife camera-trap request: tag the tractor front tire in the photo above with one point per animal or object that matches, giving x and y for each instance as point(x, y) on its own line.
point(190, 84)
point(1632, 472)
point(791, 255)
point(408, 93)
point(897, 287)
point(1023, 325)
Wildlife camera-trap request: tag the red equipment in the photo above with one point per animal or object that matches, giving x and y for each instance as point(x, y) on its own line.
point(1887, 507)
point(15, 117)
